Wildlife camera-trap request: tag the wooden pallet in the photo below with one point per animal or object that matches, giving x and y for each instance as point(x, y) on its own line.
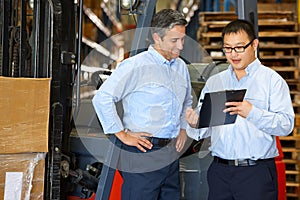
point(292, 178)
point(296, 131)
point(297, 117)
point(291, 153)
point(263, 25)
point(207, 38)
point(278, 35)
point(292, 190)
point(229, 16)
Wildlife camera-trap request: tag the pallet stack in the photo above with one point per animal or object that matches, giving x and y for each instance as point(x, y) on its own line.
point(279, 49)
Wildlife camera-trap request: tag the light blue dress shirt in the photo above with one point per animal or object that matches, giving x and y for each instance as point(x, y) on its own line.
point(271, 115)
point(155, 94)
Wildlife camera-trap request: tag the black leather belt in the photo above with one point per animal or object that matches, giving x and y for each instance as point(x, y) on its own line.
point(240, 162)
point(159, 141)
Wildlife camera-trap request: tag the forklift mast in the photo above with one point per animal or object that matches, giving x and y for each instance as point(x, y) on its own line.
point(38, 40)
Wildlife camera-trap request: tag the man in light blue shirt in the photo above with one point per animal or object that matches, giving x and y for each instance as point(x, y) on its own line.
point(244, 152)
point(155, 90)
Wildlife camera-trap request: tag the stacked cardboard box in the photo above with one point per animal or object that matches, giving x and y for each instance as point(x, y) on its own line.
point(24, 105)
point(22, 176)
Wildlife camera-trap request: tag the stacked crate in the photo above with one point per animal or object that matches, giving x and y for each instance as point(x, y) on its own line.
point(24, 105)
point(278, 49)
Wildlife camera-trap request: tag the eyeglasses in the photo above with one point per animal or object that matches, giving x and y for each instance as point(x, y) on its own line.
point(238, 49)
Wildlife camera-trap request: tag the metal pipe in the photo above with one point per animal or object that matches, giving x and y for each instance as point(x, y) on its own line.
point(36, 14)
point(142, 31)
point(23, 38)
point(4, 37)
point(248, 10)
point(77, 99)
point(53, 184)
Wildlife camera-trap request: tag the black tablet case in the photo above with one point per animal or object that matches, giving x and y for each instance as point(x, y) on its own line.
point(211, 112)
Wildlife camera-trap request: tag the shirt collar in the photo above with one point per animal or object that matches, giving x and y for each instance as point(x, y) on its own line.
point(251, 67)
point(159, 57)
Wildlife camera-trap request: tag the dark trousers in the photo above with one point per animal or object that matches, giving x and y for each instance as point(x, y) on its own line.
point(257, 182)
point(159, 184)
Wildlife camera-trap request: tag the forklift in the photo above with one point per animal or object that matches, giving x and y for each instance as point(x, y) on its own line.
point(44, 38)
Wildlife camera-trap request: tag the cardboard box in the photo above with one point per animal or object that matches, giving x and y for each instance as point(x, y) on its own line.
point(24, 118)
point(22, 176)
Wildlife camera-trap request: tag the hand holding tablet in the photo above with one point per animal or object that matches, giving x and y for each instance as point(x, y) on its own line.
point(211, 112)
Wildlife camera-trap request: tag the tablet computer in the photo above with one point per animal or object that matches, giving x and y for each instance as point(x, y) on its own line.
point(211, 112)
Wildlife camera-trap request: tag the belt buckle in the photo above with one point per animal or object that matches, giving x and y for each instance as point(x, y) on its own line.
point(163, 142)
point(236, 162)
point(150, 139)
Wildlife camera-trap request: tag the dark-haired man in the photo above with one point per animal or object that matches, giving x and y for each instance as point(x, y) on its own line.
point(155, 90)
point(244, 167)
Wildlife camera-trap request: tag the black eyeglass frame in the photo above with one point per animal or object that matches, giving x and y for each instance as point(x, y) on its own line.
point(234, 48)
